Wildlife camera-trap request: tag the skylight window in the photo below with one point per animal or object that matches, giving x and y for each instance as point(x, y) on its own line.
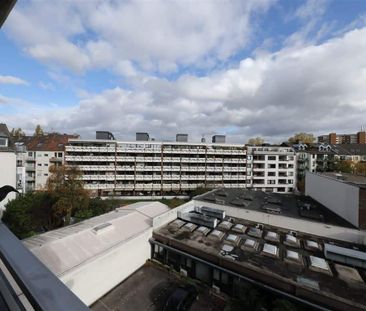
point(249, 243)
point(292, 255)
point(270, 249)
point(319, 263)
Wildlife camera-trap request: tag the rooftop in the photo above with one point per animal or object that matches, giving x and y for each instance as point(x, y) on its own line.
point(292, 268)
point(63, 249)
point(288, 205)
point(347, 178)
point(47, 142)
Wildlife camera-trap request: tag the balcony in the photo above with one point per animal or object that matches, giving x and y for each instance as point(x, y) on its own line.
point(43, 290)
point(56, 160)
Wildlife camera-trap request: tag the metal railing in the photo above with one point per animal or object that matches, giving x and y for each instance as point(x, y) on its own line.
point(41, 287)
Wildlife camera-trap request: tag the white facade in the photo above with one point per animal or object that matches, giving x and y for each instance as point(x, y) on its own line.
point(93, 256)
point(340, 197)
point(153, 168)
point(8, 172)
point(272, 168)
point(37, 167)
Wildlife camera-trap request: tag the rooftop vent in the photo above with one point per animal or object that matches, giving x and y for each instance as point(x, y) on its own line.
point(182, 138)
point(218, 139)
point(142, 136)
point(102, 228)
point(211, 212)
point(199, 219)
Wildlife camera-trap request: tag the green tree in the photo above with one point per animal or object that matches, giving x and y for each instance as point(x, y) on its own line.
point(38, 131)
point(256, 141)
point(302, 137)
point(29, 214)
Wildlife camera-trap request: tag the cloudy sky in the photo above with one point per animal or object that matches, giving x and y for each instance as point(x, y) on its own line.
point(242, 68)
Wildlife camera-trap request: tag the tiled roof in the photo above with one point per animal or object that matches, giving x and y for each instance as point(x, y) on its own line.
point(48, 142)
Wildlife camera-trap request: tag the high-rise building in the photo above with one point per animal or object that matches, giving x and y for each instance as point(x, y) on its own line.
point(334, 138)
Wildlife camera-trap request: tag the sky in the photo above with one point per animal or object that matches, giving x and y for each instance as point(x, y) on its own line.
point(241, 68)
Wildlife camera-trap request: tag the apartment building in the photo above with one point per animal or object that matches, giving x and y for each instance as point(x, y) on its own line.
point(334, 138)
point(272, 168)
point(147, 167)
point(323, 157)
point(7, 163)
point(35, 156)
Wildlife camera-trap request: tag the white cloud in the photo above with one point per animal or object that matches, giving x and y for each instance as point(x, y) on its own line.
point(315, 88)
point(153, 36)
point(12, 80)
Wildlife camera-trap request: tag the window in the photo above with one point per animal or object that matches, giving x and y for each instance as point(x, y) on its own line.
point(271, 165)
point(3, 141)
point(271, 158)
point(45, 174)
point(39, 164)
point(46, 154)
point(271, 181)
point(30, 154)
point(271, 173)
point(46, 164)
point(60, 154)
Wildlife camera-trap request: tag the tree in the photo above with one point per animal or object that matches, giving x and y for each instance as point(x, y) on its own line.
point(66, 185)
point(38, 131)
point(256, 141)
point(17, 134)
point(344, 166)
point(31, 213)
point(360, 168)
point(302, 137)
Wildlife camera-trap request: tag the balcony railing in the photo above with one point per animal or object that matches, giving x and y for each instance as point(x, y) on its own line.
point(41, 287)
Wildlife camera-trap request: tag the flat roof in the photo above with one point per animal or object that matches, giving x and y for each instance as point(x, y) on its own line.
point(63, 249)
point(288, 205)
point(282, 269)
point(357, 180)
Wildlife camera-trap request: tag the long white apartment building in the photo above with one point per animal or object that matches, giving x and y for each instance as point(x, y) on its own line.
point(146, 167)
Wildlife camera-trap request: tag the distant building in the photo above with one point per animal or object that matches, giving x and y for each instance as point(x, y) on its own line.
point(343, 194)
point(334, 138)
point(36, 154)
point(171, 168)
point(323, 157)
point(8, 171)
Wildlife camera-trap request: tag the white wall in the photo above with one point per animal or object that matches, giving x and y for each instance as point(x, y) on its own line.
point(339, 197)
point(8, 173)
point(94, 279)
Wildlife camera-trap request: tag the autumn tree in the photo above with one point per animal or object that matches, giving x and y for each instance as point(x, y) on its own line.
point(38, 131)
point(17, 133)
point(66, 185)
point(256, 141)
point(360, 168)
point(344, 166)
point(302, 137)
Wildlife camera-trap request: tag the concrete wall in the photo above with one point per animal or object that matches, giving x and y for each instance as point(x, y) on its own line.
point(310, 227)
point(8, 172)
point(94, 279)
point(339, 197)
